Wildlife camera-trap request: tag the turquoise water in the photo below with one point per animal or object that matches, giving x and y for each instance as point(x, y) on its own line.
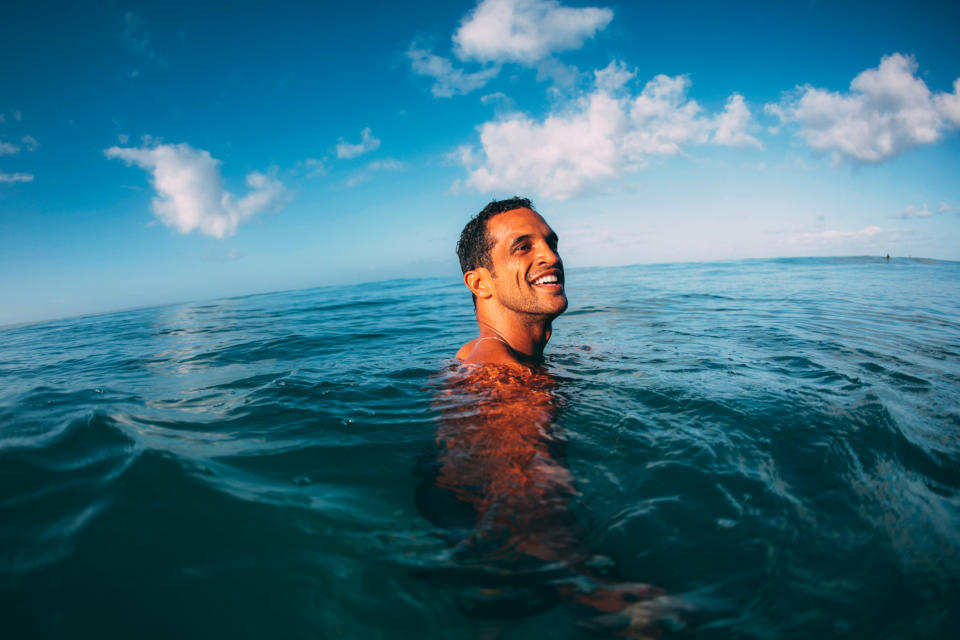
point(775, 444)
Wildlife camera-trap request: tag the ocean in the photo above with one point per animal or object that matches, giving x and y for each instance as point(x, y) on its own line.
point(773, 446)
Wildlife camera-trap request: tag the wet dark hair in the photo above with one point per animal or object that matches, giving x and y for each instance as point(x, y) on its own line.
point(474, 245)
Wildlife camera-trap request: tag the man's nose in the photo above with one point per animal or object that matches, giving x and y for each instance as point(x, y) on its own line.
point(547, 255)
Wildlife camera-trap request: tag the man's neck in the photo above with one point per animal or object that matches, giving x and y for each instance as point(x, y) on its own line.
point(525, 334)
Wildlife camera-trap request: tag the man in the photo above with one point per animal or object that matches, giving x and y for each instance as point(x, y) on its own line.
point(499, 481)
point(508, 254)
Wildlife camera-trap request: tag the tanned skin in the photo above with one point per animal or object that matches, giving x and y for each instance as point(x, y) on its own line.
point(518, 298)
point(499, 457)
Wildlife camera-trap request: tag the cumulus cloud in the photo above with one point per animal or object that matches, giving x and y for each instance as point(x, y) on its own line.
point(731, 125)
point(15, 177)
point(190, 191)
point(887, 111)
point(8, 148)
point(367, 144)
point(599, 136)
point(613, 77)
point(525, 31)
point(448, 80)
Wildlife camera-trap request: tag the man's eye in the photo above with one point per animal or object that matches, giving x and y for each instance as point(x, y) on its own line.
point(523, 247)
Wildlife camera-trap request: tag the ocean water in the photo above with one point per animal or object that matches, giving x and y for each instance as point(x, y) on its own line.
point(772, 445)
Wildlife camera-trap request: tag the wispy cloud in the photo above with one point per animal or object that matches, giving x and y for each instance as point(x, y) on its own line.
point(221, 256)
point(367, 144)
point(30, 143)
point(15, 177)
point(136, 35)
point(190, 191)
point(9, 148)
point(498, 97)
point(448, 79)
point(364, 175)
point(833, 235)
point(912, 212)
point(597, 137)
point(887, 111)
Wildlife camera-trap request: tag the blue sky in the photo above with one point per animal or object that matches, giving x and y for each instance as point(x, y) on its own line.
point(162, 152)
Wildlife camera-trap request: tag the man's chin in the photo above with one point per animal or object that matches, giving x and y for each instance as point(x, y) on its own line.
point(557, 308)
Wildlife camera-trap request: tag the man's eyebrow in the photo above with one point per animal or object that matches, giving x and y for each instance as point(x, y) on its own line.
point(520, 240)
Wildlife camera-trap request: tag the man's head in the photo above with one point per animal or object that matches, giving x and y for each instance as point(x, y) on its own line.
point(473, 248)
point(508, 254)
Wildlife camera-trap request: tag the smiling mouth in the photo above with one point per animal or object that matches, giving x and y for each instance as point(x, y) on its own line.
point(553, 280)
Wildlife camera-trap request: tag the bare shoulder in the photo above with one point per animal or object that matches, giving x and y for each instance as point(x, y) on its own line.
point(479, 351)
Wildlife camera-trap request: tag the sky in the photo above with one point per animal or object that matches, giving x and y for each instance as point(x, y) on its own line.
point(159, 152)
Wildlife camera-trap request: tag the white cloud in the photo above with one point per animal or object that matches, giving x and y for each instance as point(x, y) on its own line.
point(123, 138)
point(948, 104)
point(465, 155)
point(613, 77)
point(498, 96)
point(190, 192)
point(367, 144)
point(732, 124)
point(388, 164)
point(366, 174)
point(15, 177)
point(314, 167)
point(8, 148)
point(525, 31)
point(30, 143)
point(834, 235)
point(597, 137)
point(887, 111)
point(913, 212)
point(449, 80)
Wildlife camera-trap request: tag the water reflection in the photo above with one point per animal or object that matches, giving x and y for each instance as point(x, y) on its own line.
point(499, 487)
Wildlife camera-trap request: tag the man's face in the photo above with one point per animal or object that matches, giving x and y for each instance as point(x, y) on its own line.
point(527, 271)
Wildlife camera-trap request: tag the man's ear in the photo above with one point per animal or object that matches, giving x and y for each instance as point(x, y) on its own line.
point(478, 281)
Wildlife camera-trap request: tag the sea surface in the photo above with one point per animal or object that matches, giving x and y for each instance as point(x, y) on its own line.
point(772, 444)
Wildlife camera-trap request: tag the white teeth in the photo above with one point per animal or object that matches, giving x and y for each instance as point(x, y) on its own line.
point(546, 280)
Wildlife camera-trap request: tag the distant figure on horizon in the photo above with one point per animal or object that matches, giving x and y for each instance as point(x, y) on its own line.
point(508, 254)
point(888, 257)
